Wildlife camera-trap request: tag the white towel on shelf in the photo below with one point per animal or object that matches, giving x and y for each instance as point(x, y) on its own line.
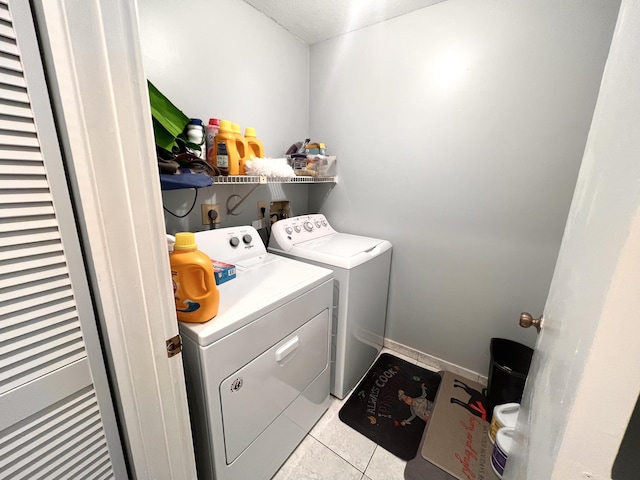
point(269, 167)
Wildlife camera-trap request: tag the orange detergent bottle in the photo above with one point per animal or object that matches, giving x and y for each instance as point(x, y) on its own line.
point(256, 149)
point(194, 287)
point(225, 150)
point(241, 145)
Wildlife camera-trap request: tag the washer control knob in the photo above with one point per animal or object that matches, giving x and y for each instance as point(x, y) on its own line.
point(318, 224)
point(289, 230)
point(234, 242)
point(246, 238)
point(296, 228)
point(324, 223)
point(308, 226)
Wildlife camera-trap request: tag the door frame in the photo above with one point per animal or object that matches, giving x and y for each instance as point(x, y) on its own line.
point(99, 92)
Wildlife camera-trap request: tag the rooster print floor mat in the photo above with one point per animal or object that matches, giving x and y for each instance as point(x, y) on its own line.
point(392, 404)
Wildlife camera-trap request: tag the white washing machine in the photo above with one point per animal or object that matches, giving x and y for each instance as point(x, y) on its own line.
point(258, 373)
point(361, 267)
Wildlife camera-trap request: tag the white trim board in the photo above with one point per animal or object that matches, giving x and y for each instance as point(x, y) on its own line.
point(434, 363)
point(93, 63)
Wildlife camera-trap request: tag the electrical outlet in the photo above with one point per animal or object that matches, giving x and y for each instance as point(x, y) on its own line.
point(279, 210)
point(262, 204)
point(206, 207)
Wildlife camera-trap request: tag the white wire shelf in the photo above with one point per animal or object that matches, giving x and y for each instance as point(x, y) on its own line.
point(249, 179)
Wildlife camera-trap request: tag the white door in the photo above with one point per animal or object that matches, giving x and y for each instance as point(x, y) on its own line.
point(585, 375)
point(56, 414)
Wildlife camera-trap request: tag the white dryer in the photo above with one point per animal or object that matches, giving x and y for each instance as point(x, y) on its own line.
point(258, 373)
point(361, 267)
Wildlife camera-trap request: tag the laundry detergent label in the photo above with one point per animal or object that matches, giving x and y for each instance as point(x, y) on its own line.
point(184, 306)
point(222, 158)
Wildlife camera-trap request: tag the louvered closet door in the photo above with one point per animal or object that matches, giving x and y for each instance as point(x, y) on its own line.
point(54, 422)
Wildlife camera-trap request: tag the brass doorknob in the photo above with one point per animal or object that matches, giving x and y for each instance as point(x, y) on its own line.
point(526, 320)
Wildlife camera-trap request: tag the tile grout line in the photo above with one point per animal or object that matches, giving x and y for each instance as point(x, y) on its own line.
point(340, 456)
point(370, 458)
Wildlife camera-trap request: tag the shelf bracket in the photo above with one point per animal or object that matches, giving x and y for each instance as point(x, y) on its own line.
point(231, 210)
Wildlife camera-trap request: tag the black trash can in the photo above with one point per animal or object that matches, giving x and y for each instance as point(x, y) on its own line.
point(508, 371)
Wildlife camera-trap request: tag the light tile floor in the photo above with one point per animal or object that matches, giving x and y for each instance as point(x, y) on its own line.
point(333, 450)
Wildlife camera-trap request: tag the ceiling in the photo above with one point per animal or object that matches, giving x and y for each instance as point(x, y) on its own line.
point(316, 20)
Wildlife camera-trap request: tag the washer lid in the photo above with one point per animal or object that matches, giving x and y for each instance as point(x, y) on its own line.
point(340, 249)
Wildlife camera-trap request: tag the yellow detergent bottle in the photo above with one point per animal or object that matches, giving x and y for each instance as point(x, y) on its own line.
point(226, 150)
point(241, 145)
point(256, 148)
point(194, 287)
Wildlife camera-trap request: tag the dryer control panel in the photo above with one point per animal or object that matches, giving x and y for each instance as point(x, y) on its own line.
point(286, 233)
point(231, 245)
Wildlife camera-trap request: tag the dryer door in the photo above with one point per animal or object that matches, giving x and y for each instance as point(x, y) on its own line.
point(275, 378)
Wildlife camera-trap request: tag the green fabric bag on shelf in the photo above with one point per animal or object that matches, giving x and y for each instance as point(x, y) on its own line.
point(168, 121)
point(178, 168)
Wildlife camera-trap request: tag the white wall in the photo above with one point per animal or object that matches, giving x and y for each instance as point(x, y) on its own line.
point(224, 59)
point(459, 130)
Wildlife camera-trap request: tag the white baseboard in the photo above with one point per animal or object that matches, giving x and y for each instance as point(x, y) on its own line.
point(433, 363)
